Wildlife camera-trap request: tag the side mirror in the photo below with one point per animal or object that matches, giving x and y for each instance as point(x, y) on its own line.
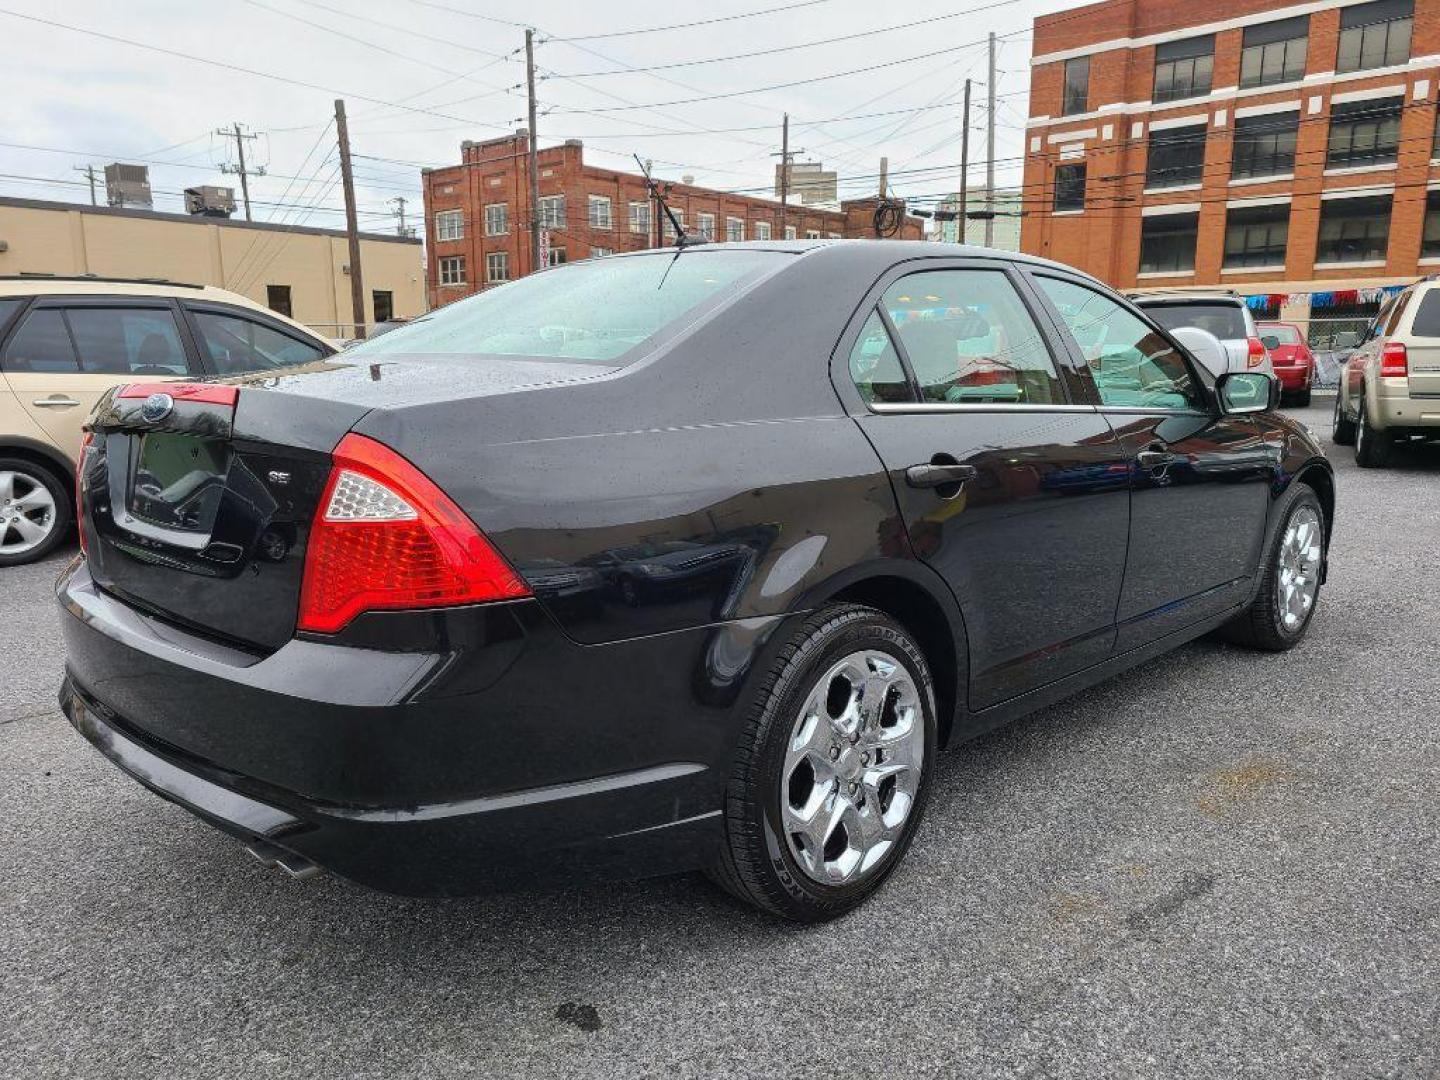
point(1204, 347)
point(1270, 341)
point(1346, 340)
point(1243, 392)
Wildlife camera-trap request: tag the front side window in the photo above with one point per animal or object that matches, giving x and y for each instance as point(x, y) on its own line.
point(236, 345)
point(127, 341)
point(450, 225)
point(1069, 188)
point(1167, 243)
point(497, 219)
point(452, 270)
point(1375, 35)
point(1264, 145)
point(734, 229)
point(640, 218)
point(600, 311)
point(599, 212)
point(1354, 230)
point(970, 339)
point(1257, 235)
point(875, 366)
point(552, 212)
point(1364, 133)
point(1429, 238)
point(1274, 52)
point(42, 344)
point(1076, 93)
point(1183, 68)
point(1132, 363)
point(1176, 157)
point(497, 266)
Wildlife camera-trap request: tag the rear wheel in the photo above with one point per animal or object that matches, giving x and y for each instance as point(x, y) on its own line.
point(1373, 448)
point(833, 768)
point(1343, 430)
point(1302, 399)
point(1280, 613)
point(35, 511)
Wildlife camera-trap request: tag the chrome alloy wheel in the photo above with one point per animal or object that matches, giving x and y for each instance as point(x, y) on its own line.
point(852, 767)
point(1298, 572)
point(27, 512)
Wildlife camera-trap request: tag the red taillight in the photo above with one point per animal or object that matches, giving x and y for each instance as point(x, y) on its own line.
point(1394, 361)
point(386, 538)
point(79, 495)
point(1255, 352)
point(202, 393)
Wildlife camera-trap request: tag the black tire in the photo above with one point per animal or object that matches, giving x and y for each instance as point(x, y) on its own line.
point(1343, 430)
point(1260, 626)
point(1302, 399)
point(1373, 448)
point(755, 862)
point(63, 513)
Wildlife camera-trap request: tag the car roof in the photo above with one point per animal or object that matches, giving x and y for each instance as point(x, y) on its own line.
point(1194, 297)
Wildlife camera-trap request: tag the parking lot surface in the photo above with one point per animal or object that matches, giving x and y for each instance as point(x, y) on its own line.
point(1221, 864)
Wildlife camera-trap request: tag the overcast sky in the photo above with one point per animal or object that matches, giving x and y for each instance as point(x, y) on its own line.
point(420, 76)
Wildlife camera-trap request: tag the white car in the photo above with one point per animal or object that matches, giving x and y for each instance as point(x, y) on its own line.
point(1221, 313)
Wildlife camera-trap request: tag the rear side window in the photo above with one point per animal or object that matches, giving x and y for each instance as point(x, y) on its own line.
point(42, 344)
point(237, 345)
point(875, 366)
point(8, 308)
point(1225, 321)
point(1427, 315)
point(970, 339)
point(127, 341)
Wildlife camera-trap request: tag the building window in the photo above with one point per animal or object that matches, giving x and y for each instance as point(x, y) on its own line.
point(790, 232)
point(450, 225)
point(1264, 145)
point(812, 234)
point(706, 226)
point(601, 252)
point(1176, 157)
point(640, 218)
point(1375, 35)
point(1364, 133)
point(1256, 235)
point(383, 301)
point(497, 219)
point(452, 270)
point(1274, 52)
point(734, 230)
point(668, 227)
point(1167, 243)
point(600, 212)
point(1069, 188)
point(762, 230)
point(1183, 68)
point(1076, 92)
point(832, 236)
point(1430, 238)
point(497, 266)
point(277, 299)
point(552, 212)
point(556, 257)
point(1354, 230)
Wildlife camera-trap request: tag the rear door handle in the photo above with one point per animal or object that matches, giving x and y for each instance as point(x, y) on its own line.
point(930, 475)
point(55, 403)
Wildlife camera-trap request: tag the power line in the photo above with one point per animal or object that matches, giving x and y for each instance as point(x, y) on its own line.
point(691, 25)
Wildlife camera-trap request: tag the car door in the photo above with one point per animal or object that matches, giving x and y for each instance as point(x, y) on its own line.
point(1199, 480)
point(1008, 487)
point(67, 351)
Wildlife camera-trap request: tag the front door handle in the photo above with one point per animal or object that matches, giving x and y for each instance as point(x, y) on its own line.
point(1156, 459)
point(931, 475)
point(55, 403)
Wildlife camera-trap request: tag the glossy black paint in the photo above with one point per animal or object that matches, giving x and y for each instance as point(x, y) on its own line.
point(674, 518)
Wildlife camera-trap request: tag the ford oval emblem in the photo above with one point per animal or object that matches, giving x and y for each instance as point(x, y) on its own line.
point(156, 408)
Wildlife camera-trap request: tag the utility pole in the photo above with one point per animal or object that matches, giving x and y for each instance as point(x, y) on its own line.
point(965, 165)
point(240, 137)
point(990, 149)
point(352, 227)
point(89, 171)
point(399, 212)
point(884, 175)
point(784, 170)
point(534, 163)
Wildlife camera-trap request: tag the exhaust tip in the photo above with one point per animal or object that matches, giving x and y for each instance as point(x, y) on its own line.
point(269, 855)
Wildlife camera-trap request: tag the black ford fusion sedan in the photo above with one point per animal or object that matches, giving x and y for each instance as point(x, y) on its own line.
point(669, 560)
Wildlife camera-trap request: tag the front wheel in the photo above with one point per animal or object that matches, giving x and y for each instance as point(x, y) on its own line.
point(833, 768)
point(1280, 614)
point(1343, 430)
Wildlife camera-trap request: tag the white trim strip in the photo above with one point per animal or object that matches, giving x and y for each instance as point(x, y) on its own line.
point(1171, 190)
point(1263, 200)
point(1358, 192)
point(1279, 269)
point(1165, 273)
point(1368, 263)
point(1170, 209)
point(1268, 109)
point(1247, 180)
point(1195, 119)
point(1351, 170)
point(1398, 90)
point(1072, 136)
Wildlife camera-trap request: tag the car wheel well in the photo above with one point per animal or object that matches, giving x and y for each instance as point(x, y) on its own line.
point(44, 461)
point(918, 612)
point(1323, 484)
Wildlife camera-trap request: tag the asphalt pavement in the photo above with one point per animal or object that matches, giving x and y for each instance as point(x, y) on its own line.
point(1222, 864)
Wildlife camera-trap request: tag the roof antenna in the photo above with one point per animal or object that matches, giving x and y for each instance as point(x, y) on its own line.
point(682, 238)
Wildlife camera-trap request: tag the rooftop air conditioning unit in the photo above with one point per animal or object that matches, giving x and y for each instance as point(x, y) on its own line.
point(128, 185)
point(210, 201)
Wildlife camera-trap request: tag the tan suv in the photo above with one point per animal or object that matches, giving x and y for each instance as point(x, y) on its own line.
point(1390, 386)
point(65, 341)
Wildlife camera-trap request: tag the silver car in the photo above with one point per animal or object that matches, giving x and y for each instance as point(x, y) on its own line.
point(1221, 313)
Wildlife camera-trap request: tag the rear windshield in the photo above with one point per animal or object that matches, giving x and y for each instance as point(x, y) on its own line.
point(1286, 335)
point(591, 312)
point(1225, 321)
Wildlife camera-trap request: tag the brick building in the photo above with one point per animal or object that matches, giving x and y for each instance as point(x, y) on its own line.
point(477, 214)
point(1283, 150)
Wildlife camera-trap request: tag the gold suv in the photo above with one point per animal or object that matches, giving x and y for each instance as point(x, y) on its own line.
point(65, 341)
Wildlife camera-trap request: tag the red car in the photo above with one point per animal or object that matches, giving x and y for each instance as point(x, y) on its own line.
point(1294, 362)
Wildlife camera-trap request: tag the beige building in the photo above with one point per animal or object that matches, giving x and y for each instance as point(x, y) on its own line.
point(297, 271)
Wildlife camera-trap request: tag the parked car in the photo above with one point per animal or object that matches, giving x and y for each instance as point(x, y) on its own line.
point(1290, 358)
point(1222, 313)
point(1390, 386)
point(65, 341)
point(354, 659)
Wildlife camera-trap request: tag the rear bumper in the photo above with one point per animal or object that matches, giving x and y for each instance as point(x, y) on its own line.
point(1294, 379)
point(1394, 408)
point(404, 784)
